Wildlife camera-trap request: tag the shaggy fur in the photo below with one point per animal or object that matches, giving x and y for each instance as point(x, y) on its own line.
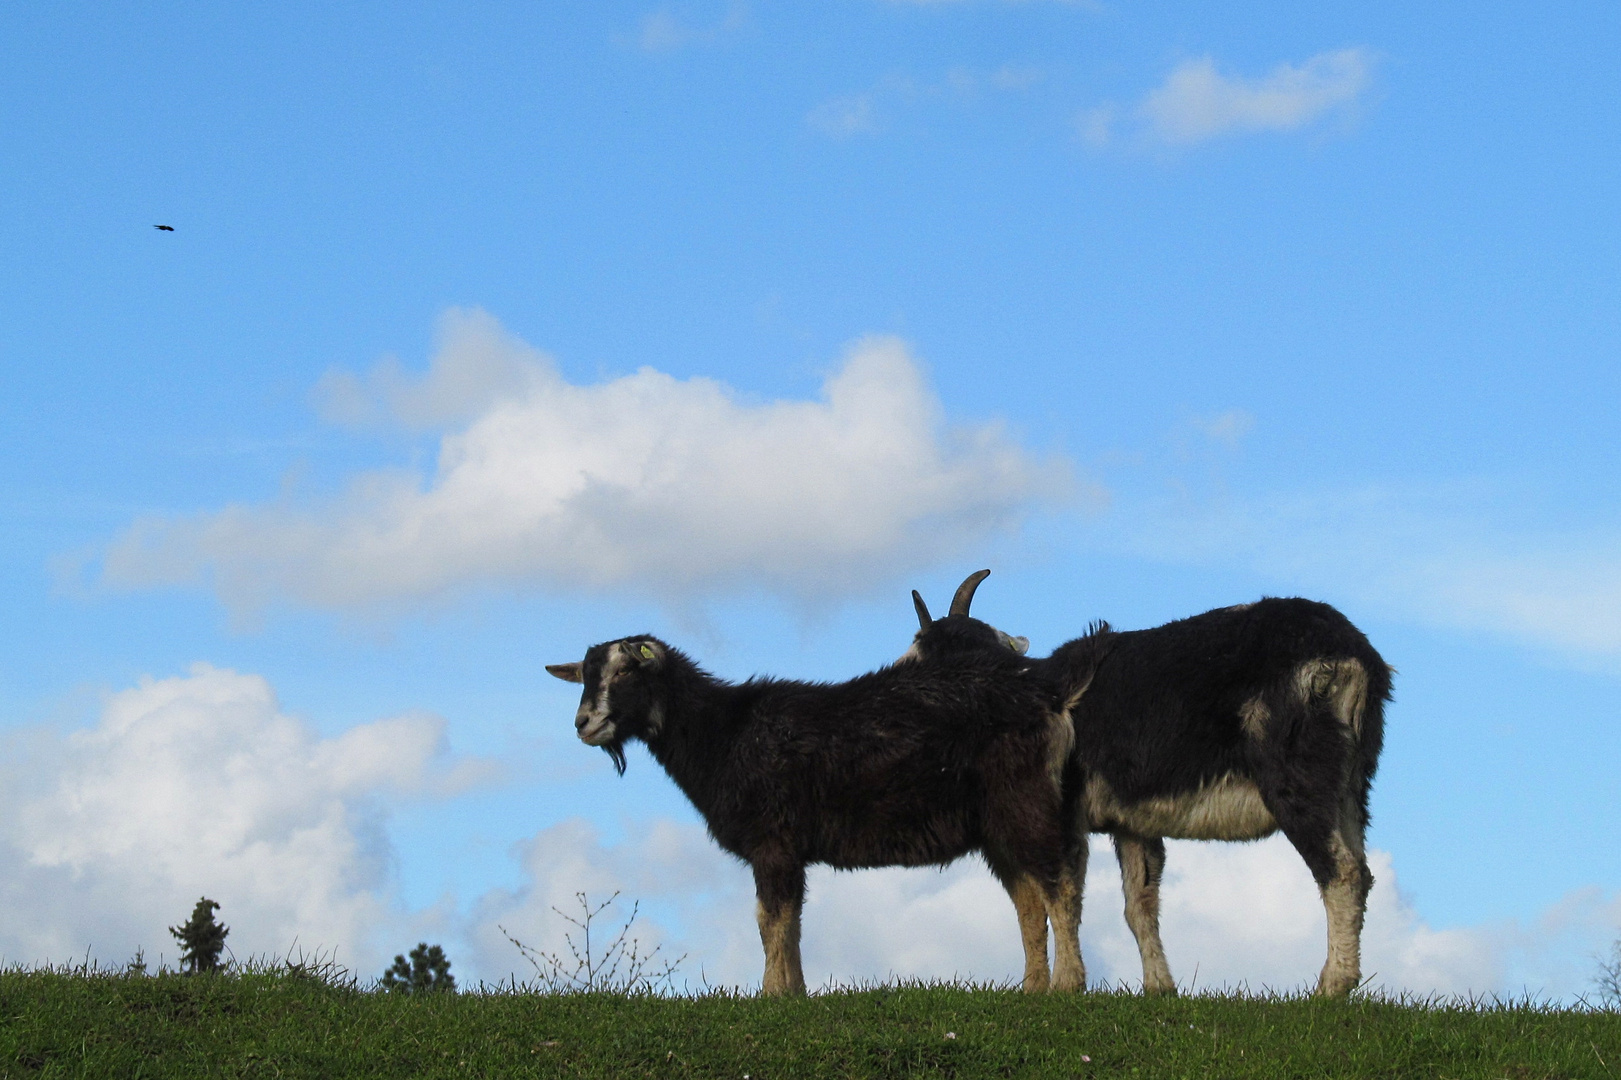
point(916, 764)
point(1229, 725)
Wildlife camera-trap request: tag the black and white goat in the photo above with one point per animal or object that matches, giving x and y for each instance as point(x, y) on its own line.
point(1230, 725)
point(915, 764)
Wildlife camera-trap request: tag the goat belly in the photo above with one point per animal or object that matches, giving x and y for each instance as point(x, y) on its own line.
point(1227, 808)
point(913, 847)
point(916, 824)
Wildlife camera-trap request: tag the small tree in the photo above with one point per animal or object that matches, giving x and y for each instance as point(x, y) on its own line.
point(201, 938)
point(428, 970)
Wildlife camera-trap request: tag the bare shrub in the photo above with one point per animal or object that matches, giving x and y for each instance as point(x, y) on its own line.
point(620, 968)
point(1608, 979)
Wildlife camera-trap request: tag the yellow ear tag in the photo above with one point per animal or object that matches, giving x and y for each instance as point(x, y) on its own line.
point(647, 652)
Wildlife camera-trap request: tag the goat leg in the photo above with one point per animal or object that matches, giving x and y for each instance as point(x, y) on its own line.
point(780, 893)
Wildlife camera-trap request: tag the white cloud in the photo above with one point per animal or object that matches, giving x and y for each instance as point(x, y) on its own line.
point(699, 901)
point(1227, 428)
point(1251, 915)
point(695, 900)
point(668, 485)
point(864, 113)
point(666, 31)
point(1234, 916)
point(1092, 4)
point(1197, 103)
point(844, 116)
point(1557, 954)
point(1096, 125)
point(1567, 598)
point(201, 785)
point(1433, 555)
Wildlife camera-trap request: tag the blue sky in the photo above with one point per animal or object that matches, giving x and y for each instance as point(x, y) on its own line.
point(1150, 311)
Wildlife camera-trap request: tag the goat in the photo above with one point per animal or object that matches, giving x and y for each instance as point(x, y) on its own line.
point(915, 764)
point(1229, 725)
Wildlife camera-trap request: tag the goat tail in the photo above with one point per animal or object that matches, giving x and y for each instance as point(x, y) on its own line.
point(1372, 736)
point(1356, 689)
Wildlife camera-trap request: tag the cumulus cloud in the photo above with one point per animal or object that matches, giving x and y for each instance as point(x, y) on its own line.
point(689, 899)
point(1251, 915)
point(1197, 103)
point(200, 784)
point(670, 485)
point(1234, 916)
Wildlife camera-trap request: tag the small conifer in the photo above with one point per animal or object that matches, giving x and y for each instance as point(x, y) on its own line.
point(428, 970)
point(201, 938)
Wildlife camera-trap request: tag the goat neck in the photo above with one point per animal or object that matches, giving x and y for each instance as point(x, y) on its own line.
point(693, 719)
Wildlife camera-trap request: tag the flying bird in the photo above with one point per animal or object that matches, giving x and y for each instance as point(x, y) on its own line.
point(165, 228)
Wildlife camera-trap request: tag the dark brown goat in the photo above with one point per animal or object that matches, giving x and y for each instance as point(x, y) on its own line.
point(1230, 725)
point(916, 764)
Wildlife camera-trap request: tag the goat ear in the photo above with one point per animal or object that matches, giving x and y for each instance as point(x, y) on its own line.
point(1020, 645)
point(650, 653)
point(567, 672)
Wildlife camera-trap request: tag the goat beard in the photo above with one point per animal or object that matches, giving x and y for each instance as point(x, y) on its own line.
point(615, 748)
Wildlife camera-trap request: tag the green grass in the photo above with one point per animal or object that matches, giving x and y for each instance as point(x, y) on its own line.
point(276, 1024)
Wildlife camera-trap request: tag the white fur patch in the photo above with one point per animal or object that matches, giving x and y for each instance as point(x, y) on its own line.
point(1350, 694)
point(779, 934)
point(1254, 715)
point(1061, 733)
point(1229, 809)
point(1345, 901)
point(1060, 743)
point(1140, 881)
point(1343, 682)
point(598, 729)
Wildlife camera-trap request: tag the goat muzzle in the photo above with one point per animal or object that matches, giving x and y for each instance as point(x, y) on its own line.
point(593, 728)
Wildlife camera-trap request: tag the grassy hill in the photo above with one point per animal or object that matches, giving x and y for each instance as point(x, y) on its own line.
point(284, 1024)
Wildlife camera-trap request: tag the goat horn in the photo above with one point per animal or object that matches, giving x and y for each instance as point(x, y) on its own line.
point(965, 592)
point(923, 619)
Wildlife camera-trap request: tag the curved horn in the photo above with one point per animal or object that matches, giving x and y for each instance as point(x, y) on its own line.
point(923, 619)
point(965, 592)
